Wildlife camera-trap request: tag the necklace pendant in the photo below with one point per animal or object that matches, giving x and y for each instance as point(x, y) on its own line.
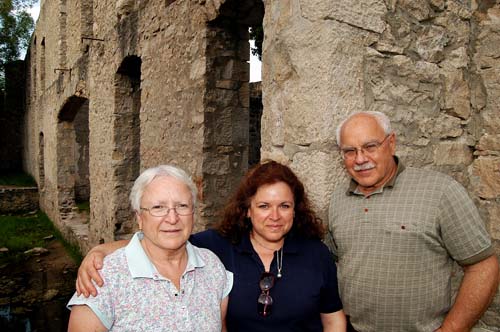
point(279, 274)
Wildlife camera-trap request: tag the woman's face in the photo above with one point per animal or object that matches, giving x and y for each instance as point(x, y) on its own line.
point(271, 212)
point(171, 231)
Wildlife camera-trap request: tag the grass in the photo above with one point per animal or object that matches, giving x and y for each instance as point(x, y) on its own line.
point(17, 179)
point(19, 233)
point(83, 206)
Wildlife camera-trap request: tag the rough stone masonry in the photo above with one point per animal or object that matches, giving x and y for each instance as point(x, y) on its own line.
point(114, 87)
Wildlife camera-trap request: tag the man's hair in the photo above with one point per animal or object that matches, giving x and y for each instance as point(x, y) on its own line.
point(150, 174)
point(382, 120)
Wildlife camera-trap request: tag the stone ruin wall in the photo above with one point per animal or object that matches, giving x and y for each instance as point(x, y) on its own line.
point(115, 87)
point(177, 68)
point(432, 66)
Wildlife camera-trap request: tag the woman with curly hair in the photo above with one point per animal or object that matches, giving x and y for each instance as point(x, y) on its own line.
point(270, 239)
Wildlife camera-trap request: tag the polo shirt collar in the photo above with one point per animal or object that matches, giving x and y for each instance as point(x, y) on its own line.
point(140, 265)
point(353, 185)
point(289, 247)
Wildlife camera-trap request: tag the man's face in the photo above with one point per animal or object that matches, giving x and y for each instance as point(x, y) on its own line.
point(372, 167)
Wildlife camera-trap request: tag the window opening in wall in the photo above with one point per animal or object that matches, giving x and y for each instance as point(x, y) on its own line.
point(42, 66)
point(73, 181)
point(256, 38)
point(228, 124)
point(126, 145)
point(41, 162)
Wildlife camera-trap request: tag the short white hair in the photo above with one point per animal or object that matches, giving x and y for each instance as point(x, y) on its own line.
point(382, 120)
point(150, 174)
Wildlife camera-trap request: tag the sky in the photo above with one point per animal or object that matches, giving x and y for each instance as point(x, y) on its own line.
point(255, 64)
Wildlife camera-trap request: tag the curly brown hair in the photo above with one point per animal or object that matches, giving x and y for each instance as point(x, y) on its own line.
point(234, 223)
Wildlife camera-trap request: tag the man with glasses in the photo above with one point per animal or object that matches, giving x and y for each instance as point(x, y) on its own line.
point(397, 232)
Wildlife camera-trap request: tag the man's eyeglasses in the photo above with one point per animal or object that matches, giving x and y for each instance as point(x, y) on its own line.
point(369, 148)
point(265, 301)
point(162, 211)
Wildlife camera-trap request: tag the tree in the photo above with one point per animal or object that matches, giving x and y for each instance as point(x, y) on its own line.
point(257, 34)
point(16, 26)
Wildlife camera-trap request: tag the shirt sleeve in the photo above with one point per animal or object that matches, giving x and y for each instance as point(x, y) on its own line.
point(228, 284)
point(463, 231)
point(329, 297)
point(100, 305)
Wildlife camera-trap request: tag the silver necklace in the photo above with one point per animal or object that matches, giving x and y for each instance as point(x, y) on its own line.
point(279, 256)
point(279, 261)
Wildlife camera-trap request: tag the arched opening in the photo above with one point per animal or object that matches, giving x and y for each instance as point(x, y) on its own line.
point(126, 141)
point(42, 66)
point(73, 155)
point(228, 98)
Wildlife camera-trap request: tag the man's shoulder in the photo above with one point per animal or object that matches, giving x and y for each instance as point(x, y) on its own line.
point(426, 175)
point(342, 187)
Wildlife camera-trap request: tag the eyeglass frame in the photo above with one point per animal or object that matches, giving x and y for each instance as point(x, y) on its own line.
point(191, 207)
point(265, 292)
point(363, 149)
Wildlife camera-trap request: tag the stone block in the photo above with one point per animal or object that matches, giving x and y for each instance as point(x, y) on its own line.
point(441, 126)
point(319, 171)
point(452, 153)
point(489, 144)
point(227, 84)
point(367, 15)
point(457, 94)
point(430, 44)
point(419, 9)
point(485, 177)
point(493, 209)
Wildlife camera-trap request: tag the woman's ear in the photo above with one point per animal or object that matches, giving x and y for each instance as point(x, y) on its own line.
point(139, 219)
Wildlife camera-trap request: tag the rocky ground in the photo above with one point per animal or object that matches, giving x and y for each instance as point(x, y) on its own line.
point(34, 292)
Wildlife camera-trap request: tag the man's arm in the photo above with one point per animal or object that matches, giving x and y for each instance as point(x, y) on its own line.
point(88, 270)
point(476, 292)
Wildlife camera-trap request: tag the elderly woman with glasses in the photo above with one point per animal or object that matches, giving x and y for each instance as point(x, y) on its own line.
point(159, 259)
point(270, 239)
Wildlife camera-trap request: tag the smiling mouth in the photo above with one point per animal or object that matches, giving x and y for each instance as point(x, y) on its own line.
point(274, 226)
point(363, 167)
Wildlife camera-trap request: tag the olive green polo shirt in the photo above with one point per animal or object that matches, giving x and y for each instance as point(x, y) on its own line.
point(396, 249)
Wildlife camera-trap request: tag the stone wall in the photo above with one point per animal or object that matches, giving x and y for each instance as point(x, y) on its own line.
point(149, 82)
point(18, 199)
point(431, 65)
point(115, 87)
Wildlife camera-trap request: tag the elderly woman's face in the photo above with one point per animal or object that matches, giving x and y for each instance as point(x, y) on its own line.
point(169, 232)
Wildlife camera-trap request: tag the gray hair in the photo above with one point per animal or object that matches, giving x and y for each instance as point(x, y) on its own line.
point(150, 174)
point(382, 120)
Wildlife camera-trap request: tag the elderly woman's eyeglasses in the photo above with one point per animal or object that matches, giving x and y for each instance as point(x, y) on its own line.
point(162, 211)
point(369, 148)
point(265, 300)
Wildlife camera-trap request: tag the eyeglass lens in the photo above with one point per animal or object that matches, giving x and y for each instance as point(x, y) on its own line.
point(265, 300)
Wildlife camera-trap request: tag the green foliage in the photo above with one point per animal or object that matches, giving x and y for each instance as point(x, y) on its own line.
point(17, 179)
point(257, 34)
point(83, 206)
point(16, 26)
point(19, 233)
